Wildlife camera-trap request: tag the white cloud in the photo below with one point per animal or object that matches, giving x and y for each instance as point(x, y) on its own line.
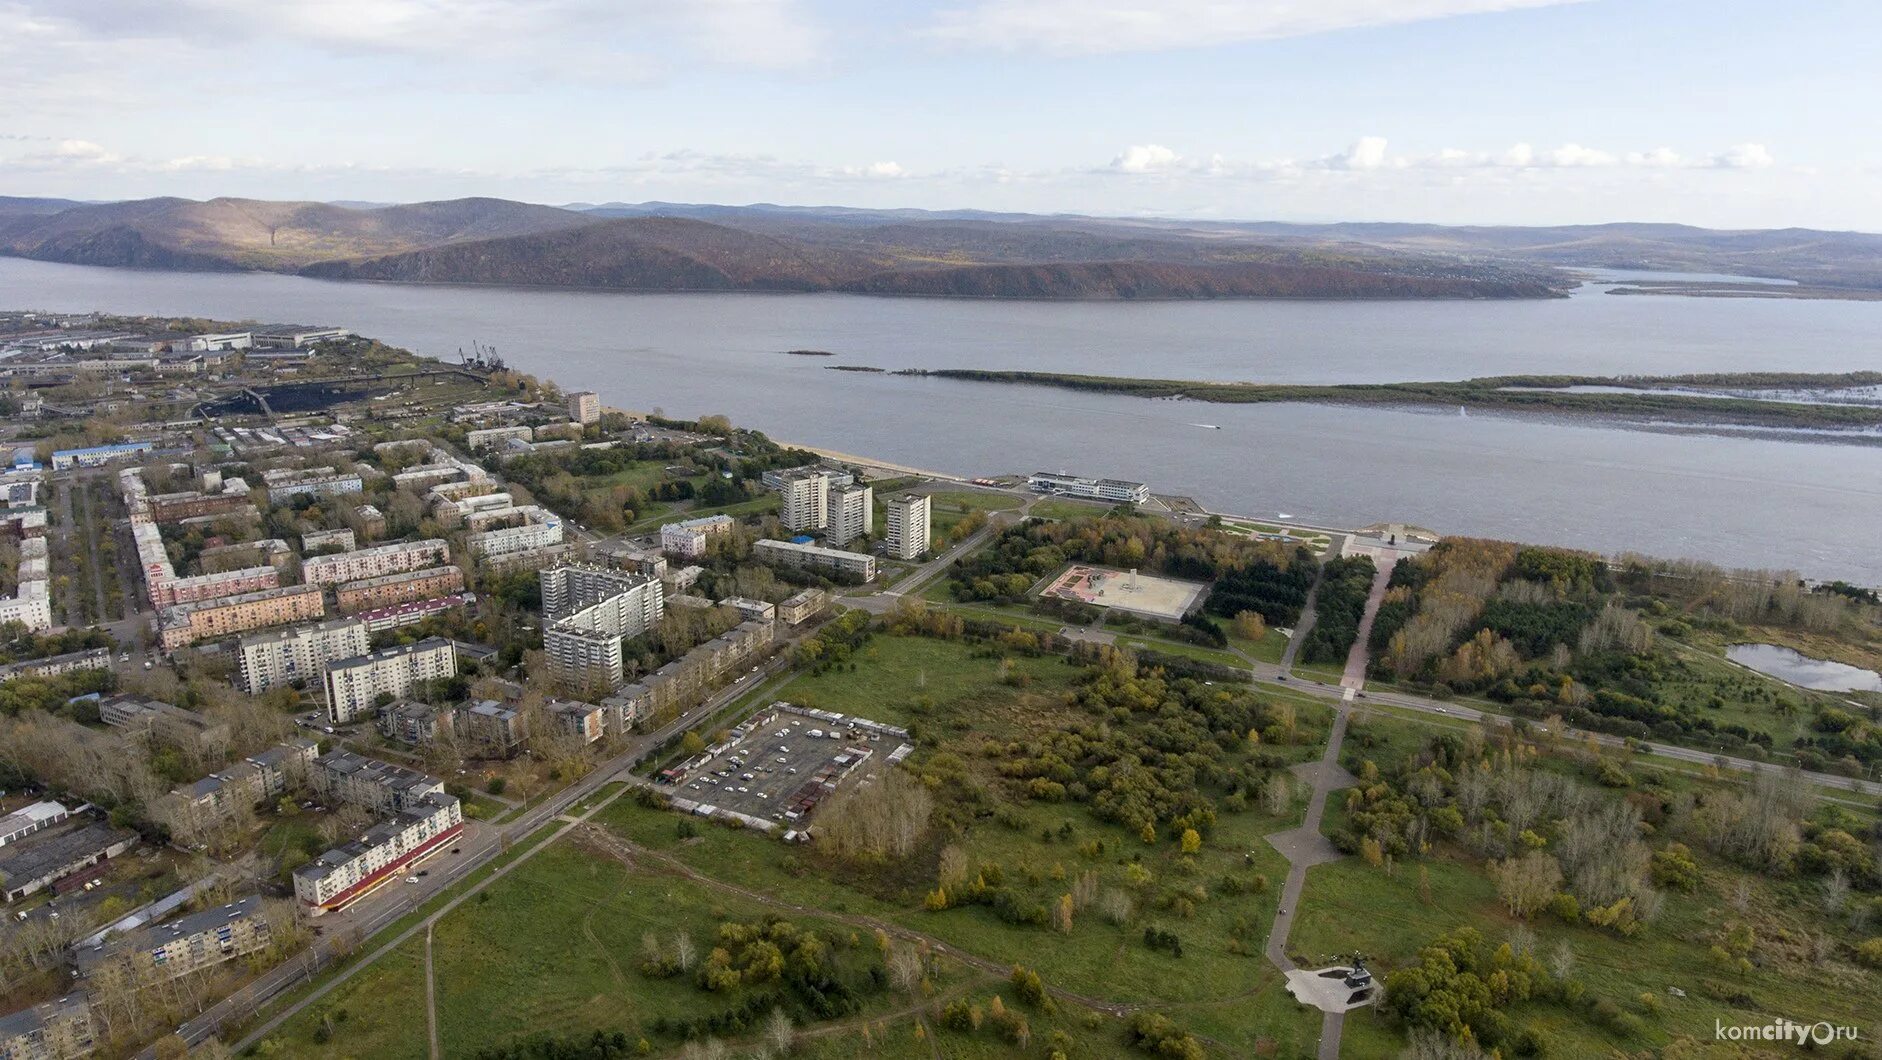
point(1744, 156)
point(1368, 152)
point(1091, 27)
point(1145, 158)
point(879, 171)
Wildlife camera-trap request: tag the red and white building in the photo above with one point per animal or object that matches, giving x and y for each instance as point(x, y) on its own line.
point(349, 872)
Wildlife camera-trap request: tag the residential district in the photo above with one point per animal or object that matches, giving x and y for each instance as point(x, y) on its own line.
point(305, 641)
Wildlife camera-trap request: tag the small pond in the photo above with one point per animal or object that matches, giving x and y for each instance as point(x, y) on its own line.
point(1804, 671)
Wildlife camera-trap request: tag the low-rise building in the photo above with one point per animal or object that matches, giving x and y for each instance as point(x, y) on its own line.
point(165, 722)
point(1118, 491)
point(803, 606)
point(314, 540)
point(492, 437)
point(346, 873)
point(270, 660)
point(411, 612)
point(423, 584)
point(285, 482)
point(98, 455)
point(815, 557)
point(56, 665)
point(531, 528)
point(690, 538)
point(201, 587)
point(418, 724)
point(54, 1030)
point(186, 624)
point(587, 722)
point(353, 685)
point(190, 812)
point(176, 507)
point(396, 558)
point(26, 820)
point(295, 336)
point(749, 609)
point(685, 680)
point(492, 730)
point(42, 859)
point(162, 952)
point(344, 776)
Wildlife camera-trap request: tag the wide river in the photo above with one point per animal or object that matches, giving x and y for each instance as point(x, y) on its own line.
point(1737, 501)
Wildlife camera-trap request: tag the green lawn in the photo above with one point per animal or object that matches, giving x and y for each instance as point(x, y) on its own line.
point(1064, 508)
point(759, 505)
point(894, 673)
point(379, 1013)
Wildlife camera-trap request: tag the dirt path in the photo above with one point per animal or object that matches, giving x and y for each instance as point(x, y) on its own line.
point(431, 1000)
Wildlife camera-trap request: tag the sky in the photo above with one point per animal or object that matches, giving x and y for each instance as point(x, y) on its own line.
point(1727, 113)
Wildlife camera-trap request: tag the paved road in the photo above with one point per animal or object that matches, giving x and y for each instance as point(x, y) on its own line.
point(912, 583)
point(478, 847)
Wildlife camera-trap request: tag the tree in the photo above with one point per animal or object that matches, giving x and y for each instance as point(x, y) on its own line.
point(1526, 884)
point(1249, 625)
point(1192, 841)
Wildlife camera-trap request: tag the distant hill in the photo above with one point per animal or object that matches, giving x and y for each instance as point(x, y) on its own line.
point(955, 253)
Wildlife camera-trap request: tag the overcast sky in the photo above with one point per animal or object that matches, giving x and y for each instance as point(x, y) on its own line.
point(1716, 112)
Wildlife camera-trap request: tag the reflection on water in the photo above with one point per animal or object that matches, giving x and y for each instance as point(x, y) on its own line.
point(1736, 501)
point(1802, 670)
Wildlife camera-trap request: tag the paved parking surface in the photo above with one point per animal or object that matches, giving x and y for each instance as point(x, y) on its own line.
point(783, 764)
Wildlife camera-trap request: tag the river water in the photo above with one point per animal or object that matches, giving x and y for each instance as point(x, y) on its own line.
point(1738, 501)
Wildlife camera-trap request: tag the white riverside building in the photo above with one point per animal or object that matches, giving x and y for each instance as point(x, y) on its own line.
point(1116, 490)
point(586, 610)
point(270, 660)
point(352, 685)
point(909, 522)
point(852, 514)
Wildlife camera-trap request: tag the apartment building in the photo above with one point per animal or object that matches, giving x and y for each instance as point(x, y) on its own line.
point(270, 660)
point(314, 540)
point(55, 1030)
point(284, 482)
point(774, 479)
point(494, 437)
point(803, 606)
point(343, 776)
point(586, 611)
point(750, 610)
point(342, 875)
point(532, 528)
point(587, 722)
point(55, 665)
point(418, 724)
point(353, 685)
point(471, 510)
point(584, 407)
point(909, 525)
point(804, 500)
point(690, 538)
point(685, 680)
point(176, 507)
point(388, 589)
point(815, 557)
point(189, 812)
point(410, 613)
point(31, 602)
point(162, 952)
point(98, 455)
point(376, 562)
point(185, 624)
point(1118, 491)
point(200, 587)
point(493, 730)
point(852, 514)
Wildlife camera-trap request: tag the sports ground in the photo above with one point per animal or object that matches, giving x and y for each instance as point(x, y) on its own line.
point(1137, 593)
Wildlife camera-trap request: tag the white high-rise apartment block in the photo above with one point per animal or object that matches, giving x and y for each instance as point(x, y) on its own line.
point(354, 684)
point(584, 407)
point(805, 494)
point(908, 531)
point(586, 611)
point(852, 514)
point(270, 660)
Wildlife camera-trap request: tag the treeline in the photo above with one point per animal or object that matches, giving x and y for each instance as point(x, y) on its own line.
point(1345, 583)
point(1251, 575)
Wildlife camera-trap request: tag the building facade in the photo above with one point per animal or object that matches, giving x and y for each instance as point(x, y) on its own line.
point(690, 538)
point(1117, 491)
point(348, 872)
point(852, 514)
point(270, 660)
point(353, 685)
point(803, 500)
point(909, 530)
point(185, 624)
point(376, 562)
point(388, 589)
point(584, 407)
point(815, 557)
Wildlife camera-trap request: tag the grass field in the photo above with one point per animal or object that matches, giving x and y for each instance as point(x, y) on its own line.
point(1064, 508)
point(901, 679)
point(659, 515)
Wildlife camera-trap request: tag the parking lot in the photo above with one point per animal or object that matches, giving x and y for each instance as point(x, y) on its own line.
point(780, 764)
